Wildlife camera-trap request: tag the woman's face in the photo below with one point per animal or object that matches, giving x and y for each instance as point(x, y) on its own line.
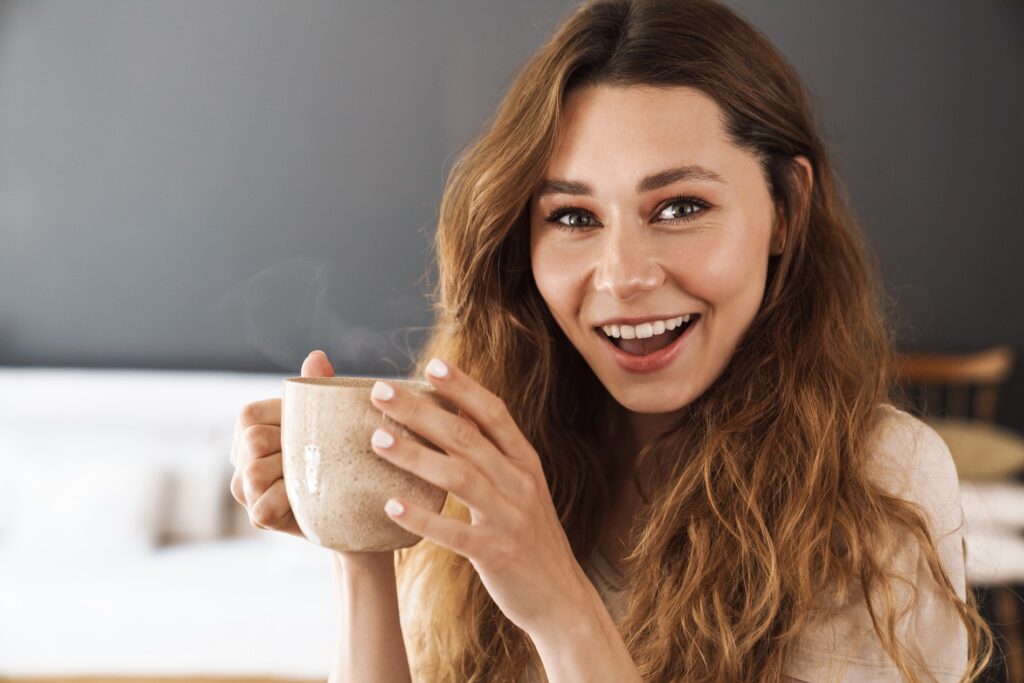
point(628, 247)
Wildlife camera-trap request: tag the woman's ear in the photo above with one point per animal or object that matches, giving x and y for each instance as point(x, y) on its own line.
point(805, 180)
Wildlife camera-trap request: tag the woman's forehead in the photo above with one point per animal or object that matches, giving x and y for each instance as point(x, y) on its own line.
point(626, 135)
point(639, 114)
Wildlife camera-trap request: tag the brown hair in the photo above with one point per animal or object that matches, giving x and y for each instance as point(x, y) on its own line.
point(772, 508)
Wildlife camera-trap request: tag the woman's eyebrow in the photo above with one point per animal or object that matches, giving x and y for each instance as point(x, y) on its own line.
point(651, 182)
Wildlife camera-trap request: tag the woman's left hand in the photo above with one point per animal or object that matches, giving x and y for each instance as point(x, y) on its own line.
point(515, 540)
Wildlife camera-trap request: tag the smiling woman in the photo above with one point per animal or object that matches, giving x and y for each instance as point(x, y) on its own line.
point(649, 261)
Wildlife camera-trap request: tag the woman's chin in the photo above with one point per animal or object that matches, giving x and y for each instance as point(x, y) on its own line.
point(650, 399)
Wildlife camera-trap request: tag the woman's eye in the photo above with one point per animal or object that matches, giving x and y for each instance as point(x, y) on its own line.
point(680, 209)
point(576, 218)
point(688, 209)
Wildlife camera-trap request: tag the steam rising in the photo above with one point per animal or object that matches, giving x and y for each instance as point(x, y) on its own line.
point(292, 307)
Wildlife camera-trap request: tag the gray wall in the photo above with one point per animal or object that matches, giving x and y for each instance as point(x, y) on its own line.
point(230, 184)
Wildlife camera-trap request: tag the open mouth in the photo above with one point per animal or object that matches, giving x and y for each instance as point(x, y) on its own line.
point(644, 347)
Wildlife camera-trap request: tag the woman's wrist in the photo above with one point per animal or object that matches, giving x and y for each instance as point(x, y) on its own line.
point(370, 644)
point(369, 563)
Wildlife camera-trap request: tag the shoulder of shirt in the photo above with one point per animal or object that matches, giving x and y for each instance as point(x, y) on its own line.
point(911, 461)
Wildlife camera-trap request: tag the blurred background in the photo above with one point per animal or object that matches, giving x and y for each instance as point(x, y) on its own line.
point(194, 195)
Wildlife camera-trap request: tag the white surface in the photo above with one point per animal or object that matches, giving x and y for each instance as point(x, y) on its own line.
point(182, 420)
point(993, 504)
point(164, 397)
point(75, 506)
point(194, 466)
point(994, 531)
point(995, 556)
point(254, 606)
point(88, 446)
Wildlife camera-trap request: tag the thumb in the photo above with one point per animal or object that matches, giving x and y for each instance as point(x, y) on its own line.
point(317, 365)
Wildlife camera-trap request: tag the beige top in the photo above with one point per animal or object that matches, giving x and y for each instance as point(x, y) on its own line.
point(914, 464)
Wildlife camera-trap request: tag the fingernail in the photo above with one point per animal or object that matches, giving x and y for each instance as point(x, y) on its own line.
point(381, 439)
point(320, 352)
point(382, 391)
point(437, 368)
point(393, 507)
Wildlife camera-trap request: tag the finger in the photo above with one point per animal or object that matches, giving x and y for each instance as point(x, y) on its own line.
point(454, 534)
point(260, 441)
point(236, 439)
point(259, 476)
point(237, 492)
point(449, 432)
point(271, 509)
point(289, 525)
point(458, 476)
point(465, 416)
point(265, 412)
point(317, 365)
point(488, 411)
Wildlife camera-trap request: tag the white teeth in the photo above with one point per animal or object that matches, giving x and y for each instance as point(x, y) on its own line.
point(645, 330)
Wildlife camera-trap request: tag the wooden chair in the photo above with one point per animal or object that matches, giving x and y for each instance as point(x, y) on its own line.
point(966, 387)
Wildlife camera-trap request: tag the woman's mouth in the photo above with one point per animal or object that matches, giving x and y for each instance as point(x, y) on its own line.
point(650, 354)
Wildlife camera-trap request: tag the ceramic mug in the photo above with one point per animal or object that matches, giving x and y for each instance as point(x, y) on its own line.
point(336, 484)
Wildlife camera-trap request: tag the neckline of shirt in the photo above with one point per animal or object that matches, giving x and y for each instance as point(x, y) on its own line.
point(608, 574)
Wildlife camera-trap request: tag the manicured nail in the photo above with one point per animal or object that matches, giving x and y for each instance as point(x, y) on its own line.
point(436, 368)
point(382, 391)
point(393, 507)
point(381, 439)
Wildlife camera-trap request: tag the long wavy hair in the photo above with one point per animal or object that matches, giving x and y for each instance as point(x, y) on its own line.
point(771, 506)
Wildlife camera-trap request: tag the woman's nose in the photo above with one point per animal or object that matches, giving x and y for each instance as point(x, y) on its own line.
point(626, 268)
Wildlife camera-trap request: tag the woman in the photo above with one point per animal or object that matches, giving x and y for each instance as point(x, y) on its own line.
point(676, 458)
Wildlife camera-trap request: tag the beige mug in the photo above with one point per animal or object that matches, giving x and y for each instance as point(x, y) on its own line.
point(335, 482)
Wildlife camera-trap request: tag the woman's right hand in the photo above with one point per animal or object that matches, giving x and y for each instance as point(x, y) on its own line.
point(258, 481)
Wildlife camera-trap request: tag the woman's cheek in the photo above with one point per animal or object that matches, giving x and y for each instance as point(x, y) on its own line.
point(727, 269)
point(712, 275)
point(557, 273)
point(558, 266)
